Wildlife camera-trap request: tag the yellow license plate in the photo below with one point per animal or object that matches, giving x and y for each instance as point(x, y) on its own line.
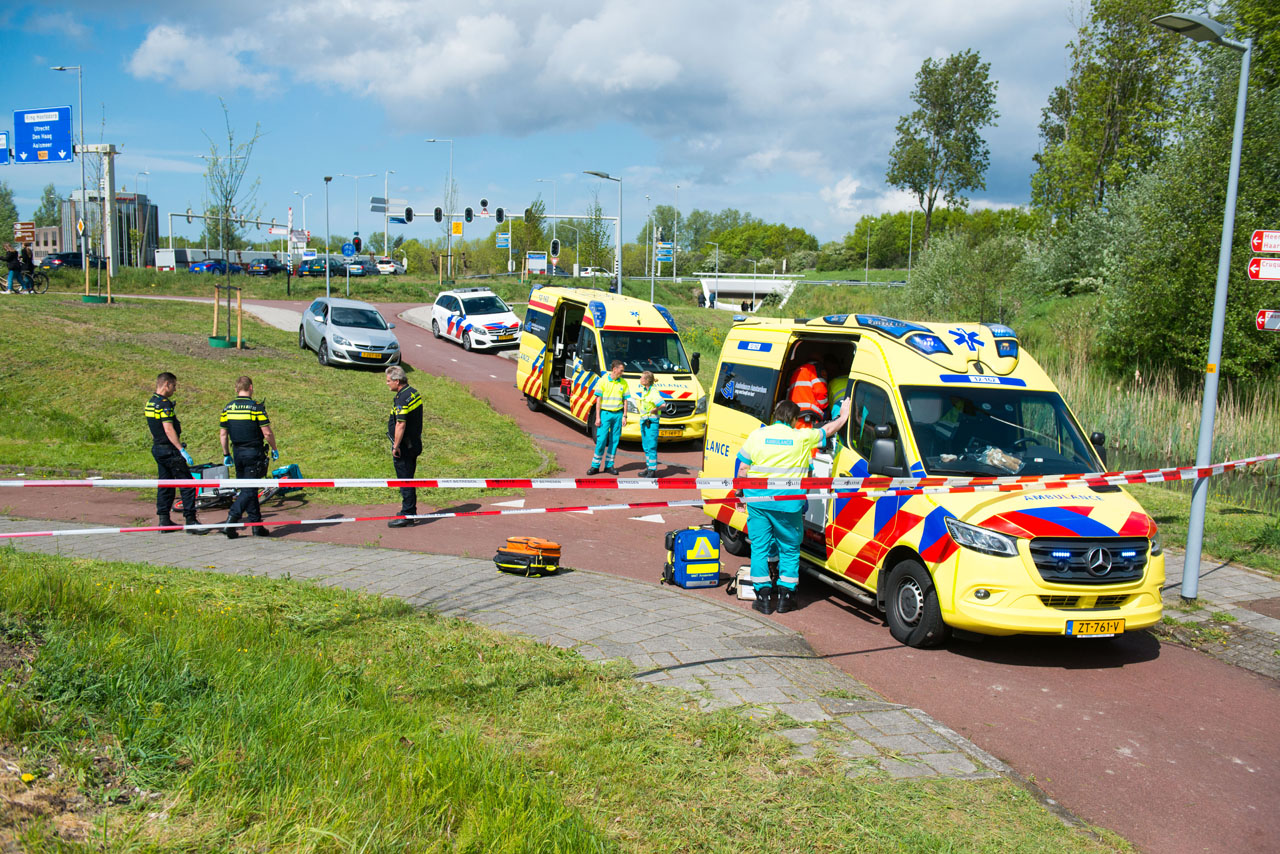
point(505, 337)
point(1094, 628)
point(671, 434)
point(371, 355)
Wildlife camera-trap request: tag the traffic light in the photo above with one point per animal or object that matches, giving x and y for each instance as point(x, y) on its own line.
point(484, 204)
point(355, 241)
point(468, 215)
point(555, 247)
point(408, 214)
point(188, 215)
point(439, 215)
point(500, 215)
point(528, 214)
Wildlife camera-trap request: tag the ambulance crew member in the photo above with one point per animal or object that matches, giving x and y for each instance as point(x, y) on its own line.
point(808, 390)
point(783, 449)
point(245, 426)
point(648, 402)
point(611, 398)
point(404, 429)
point(172, 460)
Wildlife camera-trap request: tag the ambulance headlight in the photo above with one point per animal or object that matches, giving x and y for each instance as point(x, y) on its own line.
point(1157, 547)
point(981, 539)
point(701, 408)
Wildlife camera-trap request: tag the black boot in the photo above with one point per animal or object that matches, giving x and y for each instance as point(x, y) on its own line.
point(764, 600)
point(165, 521)
point(231, 533)
point(192, 520)
point(786, 601)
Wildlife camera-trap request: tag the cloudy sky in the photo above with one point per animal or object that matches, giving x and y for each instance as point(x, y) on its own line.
point(783, 109)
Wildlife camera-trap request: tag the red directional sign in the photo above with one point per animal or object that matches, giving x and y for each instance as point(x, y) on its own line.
point(1265, 241)
point(1269, 318)
point(1265, 269)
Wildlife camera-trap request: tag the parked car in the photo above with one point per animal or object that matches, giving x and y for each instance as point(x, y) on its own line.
point(70, 261)
point(362, 267)
point(266, 267)
point(586, 272)
point(475, 317)
point(559, 271)
point(315, 267)
point(215, 265)
point(348, 332)
point(390, 267)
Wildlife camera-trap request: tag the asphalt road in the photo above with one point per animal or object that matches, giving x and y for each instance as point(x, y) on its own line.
point(1173, 750)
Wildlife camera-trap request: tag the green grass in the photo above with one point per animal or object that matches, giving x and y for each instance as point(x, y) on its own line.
point(77, 376)
point(858, 274)
point(1232, 533)
point(270, 715)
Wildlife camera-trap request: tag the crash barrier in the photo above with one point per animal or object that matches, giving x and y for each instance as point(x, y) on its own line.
point(886, 485)
point(831, 488)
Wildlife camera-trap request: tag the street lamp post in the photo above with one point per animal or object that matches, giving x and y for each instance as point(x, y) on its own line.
point(715, 293)
point(448, 204)
point(618, 233)
point(1203, 29)
point(357, 195)
point(386, 213)
point(84, 199)
point(137, 215)
point(648, 226)
point(675, 238)
point(754, 262)
point(552, 182)
point(304, 207)
point(327, 179)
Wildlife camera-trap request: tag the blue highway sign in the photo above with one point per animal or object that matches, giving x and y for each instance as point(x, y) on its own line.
point(504, 240)
point(348, 249)
point(43, 135)
point(4, 148)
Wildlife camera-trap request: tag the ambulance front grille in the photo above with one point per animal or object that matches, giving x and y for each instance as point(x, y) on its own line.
point(678, 408)
point(1077, 603)
point(1111, 560)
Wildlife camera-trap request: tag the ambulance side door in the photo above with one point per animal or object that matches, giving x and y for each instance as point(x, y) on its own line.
point(860, 525)
point(533, 366)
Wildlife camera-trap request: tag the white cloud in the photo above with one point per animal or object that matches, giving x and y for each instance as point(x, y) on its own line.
point(197, 62)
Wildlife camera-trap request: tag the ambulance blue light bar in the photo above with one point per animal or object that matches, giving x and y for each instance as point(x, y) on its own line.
point(999, 330)
point(666, 315)
point(928, 343)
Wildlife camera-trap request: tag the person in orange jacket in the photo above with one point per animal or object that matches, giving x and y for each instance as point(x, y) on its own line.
point(807, 389)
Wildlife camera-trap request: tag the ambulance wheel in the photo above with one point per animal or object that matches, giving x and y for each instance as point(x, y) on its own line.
point(466, 341)
point(532, 402)
point(734, 541)
point(911, 606)
point(435, 329)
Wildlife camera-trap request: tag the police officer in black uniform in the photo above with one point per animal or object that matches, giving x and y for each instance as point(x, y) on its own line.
point(404, 429)
point(245, 426)
point(170, 452)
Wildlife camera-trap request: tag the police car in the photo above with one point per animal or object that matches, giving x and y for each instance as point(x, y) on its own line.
point(474, 317)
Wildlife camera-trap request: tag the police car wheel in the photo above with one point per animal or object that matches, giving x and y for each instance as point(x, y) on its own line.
point(466, 341)
point(302, 339)
point(322, 355)
point(435, 328)
point(911, 606)
point(735, 542)
point(532, 402)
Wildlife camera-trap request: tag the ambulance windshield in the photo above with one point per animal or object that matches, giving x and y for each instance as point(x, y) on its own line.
point(660, 352)
point(995, 431)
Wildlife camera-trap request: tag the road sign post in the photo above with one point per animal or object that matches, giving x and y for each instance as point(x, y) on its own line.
point(1264, 269)
point(1265, 241)
point(43, 135)
point(1269, 319)
point(24, 232)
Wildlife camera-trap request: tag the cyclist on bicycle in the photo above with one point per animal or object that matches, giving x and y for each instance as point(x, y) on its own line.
point(13, 263)
point(28, 262)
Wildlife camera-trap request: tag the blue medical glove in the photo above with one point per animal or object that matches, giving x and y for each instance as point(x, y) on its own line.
point(186, 456)
point(275, 454)
point(226, 460)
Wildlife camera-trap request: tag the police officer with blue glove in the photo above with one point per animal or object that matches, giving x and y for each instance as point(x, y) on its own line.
point(245, 431)
point(170, 453)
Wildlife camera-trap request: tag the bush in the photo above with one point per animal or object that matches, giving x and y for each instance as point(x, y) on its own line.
point(987, 282)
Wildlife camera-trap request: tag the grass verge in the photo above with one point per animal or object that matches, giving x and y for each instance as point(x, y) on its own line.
point(77, 376)
point(262, 714)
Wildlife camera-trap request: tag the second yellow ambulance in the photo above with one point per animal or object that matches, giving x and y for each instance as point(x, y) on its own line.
point(955, 401)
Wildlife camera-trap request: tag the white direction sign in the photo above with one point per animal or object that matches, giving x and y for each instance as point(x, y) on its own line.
point(1265, 241)
point(1269, 319)
point(1265, 269)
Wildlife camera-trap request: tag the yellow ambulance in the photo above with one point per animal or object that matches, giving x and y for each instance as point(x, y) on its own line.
point(569, 338)
point(944, 400)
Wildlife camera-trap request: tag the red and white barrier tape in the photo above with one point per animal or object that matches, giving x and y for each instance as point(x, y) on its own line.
point(913, 485)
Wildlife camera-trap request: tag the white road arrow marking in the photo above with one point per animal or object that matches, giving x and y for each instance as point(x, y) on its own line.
point(519, 502)
point(584, 512)
point(656, 517)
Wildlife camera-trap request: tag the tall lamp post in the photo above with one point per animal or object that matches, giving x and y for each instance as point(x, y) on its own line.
point(618, 233)
point(715, 293)
point(137, 215)
point(386, 213)
point(357, 194)
point(1202, 29)
point(304, 206)
point(675, 238)
point(448, 204)
point(84, 198)
point(327, 179)
point(552, 182)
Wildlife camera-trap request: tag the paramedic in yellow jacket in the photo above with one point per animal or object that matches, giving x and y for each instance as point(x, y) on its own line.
point(782, 449)
point(648, 402)
point(611, 399)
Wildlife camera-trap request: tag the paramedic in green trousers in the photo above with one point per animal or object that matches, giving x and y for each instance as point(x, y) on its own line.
point(648, 402)
point(611, 398)
point(782, 449)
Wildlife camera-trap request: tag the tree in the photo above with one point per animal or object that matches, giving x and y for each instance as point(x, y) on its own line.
point(939, 151)
point(527, 232)
point(8, 211)
point(595, 236)
point(50, 210)
point(1110, 121)
point(224, 179)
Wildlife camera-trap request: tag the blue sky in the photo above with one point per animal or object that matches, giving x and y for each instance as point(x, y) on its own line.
point(783, 109)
